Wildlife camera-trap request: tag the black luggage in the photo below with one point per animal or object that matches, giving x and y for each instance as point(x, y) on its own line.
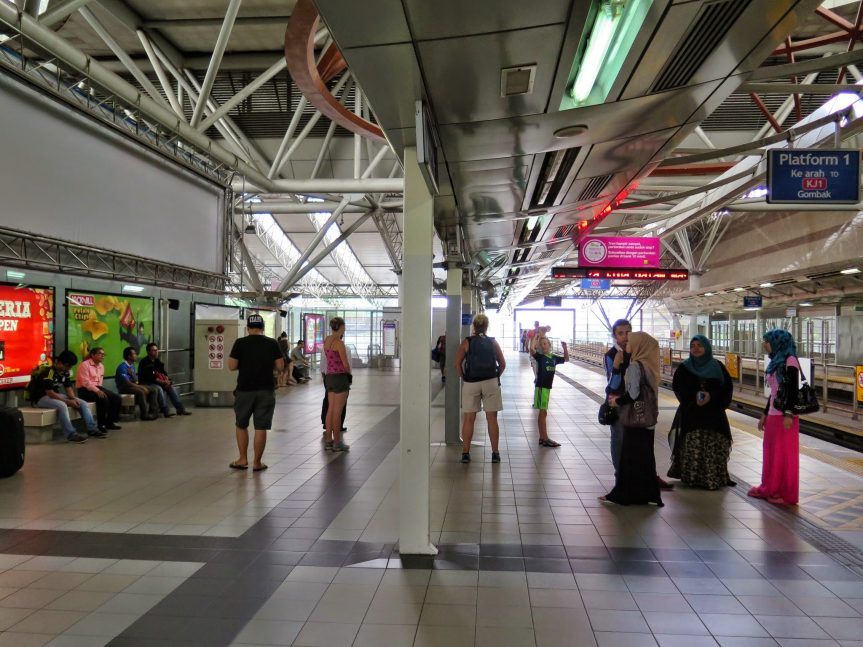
point(11, 441)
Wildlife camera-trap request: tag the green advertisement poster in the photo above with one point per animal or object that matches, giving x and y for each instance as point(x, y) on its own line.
point(108, 320)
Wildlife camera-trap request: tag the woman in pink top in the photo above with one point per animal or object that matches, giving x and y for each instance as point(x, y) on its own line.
point(780, 468)
point(338, 384)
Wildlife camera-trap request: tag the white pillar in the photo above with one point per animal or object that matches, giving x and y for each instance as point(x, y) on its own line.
point(416, 292)
point(452, 415)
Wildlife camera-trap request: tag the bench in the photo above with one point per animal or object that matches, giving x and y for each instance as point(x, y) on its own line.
point(127, 405)
point(40, 425)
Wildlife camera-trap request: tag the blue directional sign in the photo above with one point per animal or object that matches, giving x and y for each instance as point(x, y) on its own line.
point(813, 176)
point(595, 284)
point(753, 302)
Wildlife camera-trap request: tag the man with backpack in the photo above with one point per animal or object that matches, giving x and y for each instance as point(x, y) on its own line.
point(51, 387)
point(480, 363)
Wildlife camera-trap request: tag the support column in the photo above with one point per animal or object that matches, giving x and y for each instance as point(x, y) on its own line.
point(453, 340)
point(416, 292)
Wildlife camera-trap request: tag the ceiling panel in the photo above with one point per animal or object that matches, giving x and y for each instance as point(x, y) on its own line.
point(450, 18)
point(383, 68)
point(370, 22)
point(463, 74)
point(535, 133)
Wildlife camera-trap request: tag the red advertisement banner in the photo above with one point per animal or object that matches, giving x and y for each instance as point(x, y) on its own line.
point(26, 332)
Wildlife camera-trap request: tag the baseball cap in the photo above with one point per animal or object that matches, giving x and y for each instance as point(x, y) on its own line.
point(255, 321)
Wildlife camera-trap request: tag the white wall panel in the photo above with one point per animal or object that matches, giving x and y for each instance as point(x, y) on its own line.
point(66, 177)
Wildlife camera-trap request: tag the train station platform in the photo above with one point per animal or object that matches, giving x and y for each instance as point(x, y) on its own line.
point(147, 538)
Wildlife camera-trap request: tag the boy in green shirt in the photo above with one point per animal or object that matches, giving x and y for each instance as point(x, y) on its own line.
point(545, 367)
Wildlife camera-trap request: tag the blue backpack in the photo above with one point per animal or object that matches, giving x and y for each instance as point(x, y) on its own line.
point(480, 361)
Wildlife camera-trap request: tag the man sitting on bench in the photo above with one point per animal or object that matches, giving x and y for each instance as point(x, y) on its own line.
point(89, 380)
point(46, 392)
point(126, 378)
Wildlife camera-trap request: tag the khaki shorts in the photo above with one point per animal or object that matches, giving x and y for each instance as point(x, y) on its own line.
point(483, 395)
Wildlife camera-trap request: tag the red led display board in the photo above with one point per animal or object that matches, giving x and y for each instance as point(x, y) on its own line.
point(628, 274)
point(26, 332)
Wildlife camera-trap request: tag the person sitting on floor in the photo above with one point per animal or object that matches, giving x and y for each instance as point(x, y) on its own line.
point(146, 397)
point(47, 389)
point(151, 372)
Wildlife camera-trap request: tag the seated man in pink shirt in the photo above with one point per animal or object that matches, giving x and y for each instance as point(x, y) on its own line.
point(91, 374)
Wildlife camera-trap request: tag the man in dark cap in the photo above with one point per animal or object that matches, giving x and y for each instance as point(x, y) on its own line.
point(255, 357)
point(52, 388)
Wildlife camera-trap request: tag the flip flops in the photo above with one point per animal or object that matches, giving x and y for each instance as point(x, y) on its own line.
point(260, 469)
point(238, 466)
point(548, 442)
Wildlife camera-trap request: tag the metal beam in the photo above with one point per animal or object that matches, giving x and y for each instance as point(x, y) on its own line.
point(808, 88)
point(330, 185)
point(328, 249)
point(218, 51)
point(289, 207)
point(313, 244)
point(121, 54)
point(160, 74)
point(56, 14)
point(195, 23)
point(229, 105)
point(73, 57)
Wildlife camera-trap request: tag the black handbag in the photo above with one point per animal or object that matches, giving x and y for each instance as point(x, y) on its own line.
point(607, 414)
point(435, 354)
point(807, 402)
point(643, 412)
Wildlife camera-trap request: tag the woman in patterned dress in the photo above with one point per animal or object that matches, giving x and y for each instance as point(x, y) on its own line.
point(703, 436)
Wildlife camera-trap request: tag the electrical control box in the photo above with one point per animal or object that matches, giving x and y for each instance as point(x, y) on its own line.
point(214, 383)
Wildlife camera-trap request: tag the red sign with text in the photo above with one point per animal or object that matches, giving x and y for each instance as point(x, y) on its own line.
point(26, 332)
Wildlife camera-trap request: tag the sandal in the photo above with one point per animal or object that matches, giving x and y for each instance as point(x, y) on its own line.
point(238, 466)
point(260, 469)
point(755, 493)
point(777, 500)
point(548, 442)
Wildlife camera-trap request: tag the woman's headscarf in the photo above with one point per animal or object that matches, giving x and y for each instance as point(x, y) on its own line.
point(782, 347)
point(706, 367)
point(645, 349)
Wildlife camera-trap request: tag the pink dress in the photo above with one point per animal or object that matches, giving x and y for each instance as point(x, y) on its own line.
point(780, 469)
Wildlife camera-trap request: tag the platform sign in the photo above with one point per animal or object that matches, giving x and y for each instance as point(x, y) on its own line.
point(858, 374)
point(732, 365)
point(618, 251)
point(552, 302)
point(466, 319)
point(813, 176)
point(389, 338)
point(752, 302)
point(595, 284)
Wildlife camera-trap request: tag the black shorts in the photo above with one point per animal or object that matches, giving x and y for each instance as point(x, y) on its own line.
point(261, 404)
point(337, 382)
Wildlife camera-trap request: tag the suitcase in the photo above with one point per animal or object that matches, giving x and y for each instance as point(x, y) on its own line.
point(11, 441)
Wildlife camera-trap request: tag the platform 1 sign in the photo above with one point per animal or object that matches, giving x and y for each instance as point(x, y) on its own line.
point(813, 176)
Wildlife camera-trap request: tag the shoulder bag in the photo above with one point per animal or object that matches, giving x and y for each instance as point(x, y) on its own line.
point(643, 412)
point(807, 401)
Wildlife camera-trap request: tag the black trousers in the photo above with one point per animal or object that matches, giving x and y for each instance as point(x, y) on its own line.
point(107, 409)
point(326, 405)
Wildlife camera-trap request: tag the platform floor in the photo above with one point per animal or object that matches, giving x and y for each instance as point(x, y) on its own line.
point(147, 538)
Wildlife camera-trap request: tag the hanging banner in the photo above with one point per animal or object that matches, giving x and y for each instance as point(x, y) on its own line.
point(313, 333)
point(623, 251)
point(110, 321)
point(26, 332)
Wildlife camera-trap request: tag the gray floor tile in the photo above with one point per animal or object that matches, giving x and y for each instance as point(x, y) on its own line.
point(372, 635)
point(619, 621)
point(326, 634)
point(675, 623)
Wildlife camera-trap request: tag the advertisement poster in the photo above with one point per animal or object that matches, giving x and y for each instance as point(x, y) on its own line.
point(313, 333)
point(110, 321)
point(26, 332)
point(624, 251)
point(858, 374)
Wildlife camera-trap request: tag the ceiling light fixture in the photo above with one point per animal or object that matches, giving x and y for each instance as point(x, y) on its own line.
point(805, 304)
point(767, 285)
point(570, 131)
point(708, 294)
point(739, 289)
point(133, 288)
point(12, 274)
point(531, 223)
point(850, 270)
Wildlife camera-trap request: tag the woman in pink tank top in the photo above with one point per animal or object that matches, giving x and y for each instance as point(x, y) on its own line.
point(338, 384)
